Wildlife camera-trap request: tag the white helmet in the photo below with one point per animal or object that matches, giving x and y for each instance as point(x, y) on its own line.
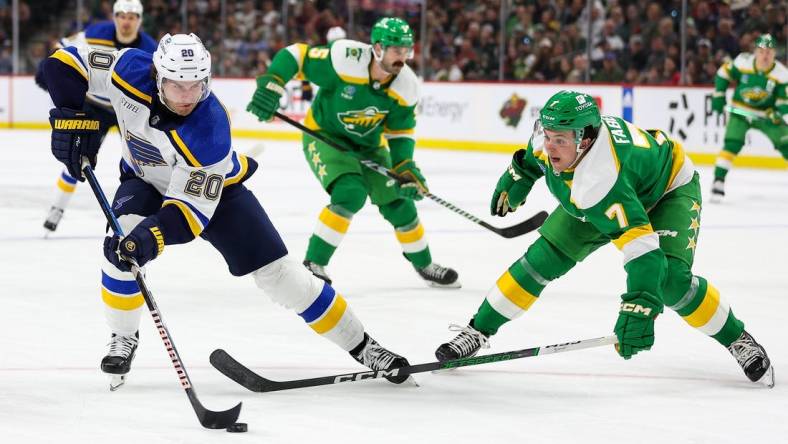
point(133, 6)
point(335, 33)
point(182, 57)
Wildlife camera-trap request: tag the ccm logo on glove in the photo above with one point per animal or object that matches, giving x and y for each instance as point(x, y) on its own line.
point(635, 308)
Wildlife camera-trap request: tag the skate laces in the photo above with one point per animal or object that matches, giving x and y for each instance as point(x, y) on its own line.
point(122, 345)
point(434, 270)
point(469, 339)
point(376, 357)
point(745, 350)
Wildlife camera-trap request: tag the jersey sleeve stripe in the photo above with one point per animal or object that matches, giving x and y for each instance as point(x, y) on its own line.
point(102, 42)
point(632, 234)
point(182, 149)
point(240, 167)
point(196, 220)
point(72, 60)
point(130, 90)
point(355, 80)
point(400, 100)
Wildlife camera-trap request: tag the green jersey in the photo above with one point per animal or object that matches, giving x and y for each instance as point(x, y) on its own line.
point(756, 91)
point(350, 107)
point(614, 186)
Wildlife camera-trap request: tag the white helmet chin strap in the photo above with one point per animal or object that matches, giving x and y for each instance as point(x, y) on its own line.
point(378, 58)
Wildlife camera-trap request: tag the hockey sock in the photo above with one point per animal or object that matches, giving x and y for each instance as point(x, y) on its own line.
point(348, 195)
point(66, 186)
point(520, 286)
point(410, 233)
point(703, 308)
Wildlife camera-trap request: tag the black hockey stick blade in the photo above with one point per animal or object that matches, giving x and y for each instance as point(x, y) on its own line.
point(211, 419)
point(239, 373)
point(526, 226)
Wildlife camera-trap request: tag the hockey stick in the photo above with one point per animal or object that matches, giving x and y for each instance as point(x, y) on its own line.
point(236, 371)
point(745, 113)
point(208, 418)
point(519, 229)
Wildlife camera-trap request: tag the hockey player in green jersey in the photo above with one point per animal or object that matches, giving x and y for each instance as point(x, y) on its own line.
point(366, 103)
point(615, 183)
point(759, 102)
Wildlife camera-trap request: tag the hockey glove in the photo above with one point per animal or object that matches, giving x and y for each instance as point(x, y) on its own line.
point(718, 102)
point(511, 190)
point(265, 100)
point(143, 244)
point(75, 134)
point(413, 182)
point(635, 324)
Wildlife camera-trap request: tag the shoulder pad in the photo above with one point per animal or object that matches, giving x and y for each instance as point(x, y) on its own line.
point(744, 62)
point(597, 173)
point(147, 43)
point(132, 75)
point(350, 60)
point(204, 137)
point(779, 73)
point(70, 56)
point(405, 87)
point(101, 34)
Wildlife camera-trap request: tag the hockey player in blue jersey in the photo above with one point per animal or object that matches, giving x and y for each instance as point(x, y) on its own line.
point(123, 31)
point(180, 179)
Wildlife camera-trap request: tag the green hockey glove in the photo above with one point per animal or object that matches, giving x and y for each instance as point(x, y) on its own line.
point(718, 102)
point(511, 190)
point(265, 100)
point(414, 183)
point(635, 324)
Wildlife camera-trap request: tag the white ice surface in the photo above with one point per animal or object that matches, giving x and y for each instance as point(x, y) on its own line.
point(688, 389)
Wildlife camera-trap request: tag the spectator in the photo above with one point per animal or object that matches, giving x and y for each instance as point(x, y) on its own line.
point(610, 72)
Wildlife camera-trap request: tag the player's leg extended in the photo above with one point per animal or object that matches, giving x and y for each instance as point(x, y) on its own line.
point(564, 241)
point(777, 134)
point(340, 175)
point(66, 185)
point(734, 140)
point(676, 219)
point(348, 195)
point(242, 232)
point(123, 301)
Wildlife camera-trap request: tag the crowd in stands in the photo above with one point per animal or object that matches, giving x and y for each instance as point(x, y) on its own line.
point(636, 42)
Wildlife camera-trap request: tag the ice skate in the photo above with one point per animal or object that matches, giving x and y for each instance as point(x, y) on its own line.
point(464, 345)
point(717, 191)
point(439, 276)
point(376, 357)
point(753, 360)
point(53, 218)
point(317, 270)
point(117, 363)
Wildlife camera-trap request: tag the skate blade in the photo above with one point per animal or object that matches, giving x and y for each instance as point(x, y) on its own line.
point(715, 198)
point(453, 285)
point(411, 381)
point(116, 382)
point(768, 378)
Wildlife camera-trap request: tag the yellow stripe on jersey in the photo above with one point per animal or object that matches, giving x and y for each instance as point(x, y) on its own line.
point(134, 91)
point(518, 295)
point(632, 234)
point(332, 316)
point(194, 225)
point(334, 221)
point(184, 149)
point(122, 303)
point(102, 42)
point(393, 94)
point(678, 161)
point(244, 167)
point(69, 60)
point(309, 121)
point(356, 80)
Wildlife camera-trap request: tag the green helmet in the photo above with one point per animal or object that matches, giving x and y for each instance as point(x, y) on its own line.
point(392, 31)
point(571, 110)
point(765, 41)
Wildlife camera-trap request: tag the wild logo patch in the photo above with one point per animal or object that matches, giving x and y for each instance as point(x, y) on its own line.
point(362, 122)
point(512, 110)
point(353, 53)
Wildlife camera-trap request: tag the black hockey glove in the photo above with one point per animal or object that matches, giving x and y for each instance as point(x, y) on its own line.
point(74, 134)
point(143, 244)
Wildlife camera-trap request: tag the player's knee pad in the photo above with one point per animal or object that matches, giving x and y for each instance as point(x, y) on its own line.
point(349, 192)
point(399, 213)
point(677, 282)
point(546, 260)
point(288, 284)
